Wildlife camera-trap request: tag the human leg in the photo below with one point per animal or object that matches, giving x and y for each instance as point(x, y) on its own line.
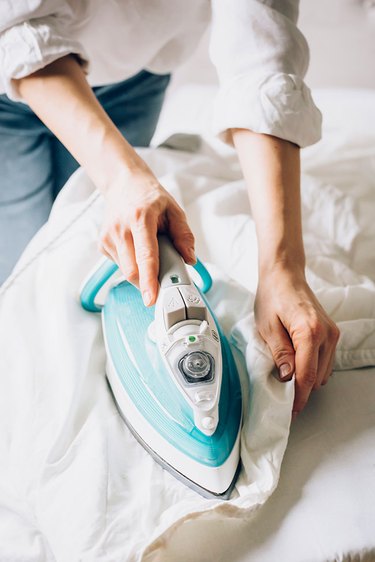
point(25, 180)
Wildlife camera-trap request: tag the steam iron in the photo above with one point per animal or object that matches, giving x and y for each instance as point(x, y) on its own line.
point(172, 372)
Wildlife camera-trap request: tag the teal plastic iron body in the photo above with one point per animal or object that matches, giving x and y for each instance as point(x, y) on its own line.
point(172, 372)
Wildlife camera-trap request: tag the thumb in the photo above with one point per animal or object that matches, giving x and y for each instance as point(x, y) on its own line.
point(282, 351)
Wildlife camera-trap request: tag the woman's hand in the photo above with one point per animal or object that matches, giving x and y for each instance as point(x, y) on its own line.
point(137, 208)
point(301, 336)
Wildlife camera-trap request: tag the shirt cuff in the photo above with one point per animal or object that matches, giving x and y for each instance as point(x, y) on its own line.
point(279, 104)
point(32, 45)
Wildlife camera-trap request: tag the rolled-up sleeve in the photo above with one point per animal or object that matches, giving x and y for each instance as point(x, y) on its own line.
point(33, 34)
point(261, 58)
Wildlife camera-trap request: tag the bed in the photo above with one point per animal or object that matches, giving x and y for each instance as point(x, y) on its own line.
point(75, 486)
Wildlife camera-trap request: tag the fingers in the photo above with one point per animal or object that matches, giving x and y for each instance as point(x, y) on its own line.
point(147, 259)
point(134, 213)
point(130, 240)
point(181, 235)
point(326, 357)
point(329, 369)
point(126, 258)
point(107, 247)
point(333, 337)
point(298, 331)
point(144, 232)
point(314, 360)
point(282, 351)
point(137, 255)
point(307, 361)
point(119, 248)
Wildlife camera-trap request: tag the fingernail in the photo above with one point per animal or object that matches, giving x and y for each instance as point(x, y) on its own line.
point(285, 371)
point(146, 297)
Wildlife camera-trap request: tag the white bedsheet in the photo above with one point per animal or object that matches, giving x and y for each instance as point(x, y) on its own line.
point(74, 485)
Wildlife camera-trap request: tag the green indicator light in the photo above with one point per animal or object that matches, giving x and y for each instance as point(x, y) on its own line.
point(174, 278)
point(192, 338)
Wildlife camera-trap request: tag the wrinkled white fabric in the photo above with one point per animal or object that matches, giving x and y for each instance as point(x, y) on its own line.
point(259, 53)
point(76, 478)
point(74, 484)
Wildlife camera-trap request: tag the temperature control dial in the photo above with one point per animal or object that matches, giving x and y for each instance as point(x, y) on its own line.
point(197, 366)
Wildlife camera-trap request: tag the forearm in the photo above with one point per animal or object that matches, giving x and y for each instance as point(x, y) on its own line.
point(271, 167)
point(62, 98)
point(136, 207)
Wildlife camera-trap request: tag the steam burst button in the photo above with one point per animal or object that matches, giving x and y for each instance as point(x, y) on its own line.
point(195, 308)
point(173, 307)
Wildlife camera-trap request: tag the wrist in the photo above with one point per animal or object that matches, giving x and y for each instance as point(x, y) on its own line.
point(127, 179)
point(291, 264)
point(121, 166)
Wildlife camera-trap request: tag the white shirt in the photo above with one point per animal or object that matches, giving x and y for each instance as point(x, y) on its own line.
point(260, 55)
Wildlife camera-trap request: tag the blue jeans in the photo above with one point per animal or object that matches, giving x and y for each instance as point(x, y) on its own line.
point(34, 165)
